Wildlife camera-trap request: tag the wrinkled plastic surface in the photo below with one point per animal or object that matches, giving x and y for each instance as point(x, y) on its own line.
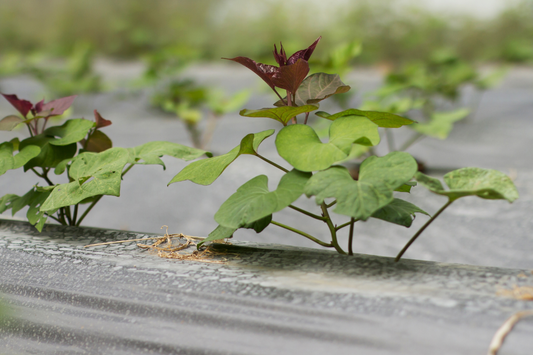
point(245, 299)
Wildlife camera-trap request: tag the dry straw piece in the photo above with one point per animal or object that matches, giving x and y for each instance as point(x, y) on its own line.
point(524, 293)
point(165, 248)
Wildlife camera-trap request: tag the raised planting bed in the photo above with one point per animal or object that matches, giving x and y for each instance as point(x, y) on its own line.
point(65, 298)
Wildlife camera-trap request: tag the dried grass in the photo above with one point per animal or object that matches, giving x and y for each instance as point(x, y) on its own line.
point(166, 248)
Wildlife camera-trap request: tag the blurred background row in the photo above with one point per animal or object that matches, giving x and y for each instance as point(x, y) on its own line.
point(391, 32)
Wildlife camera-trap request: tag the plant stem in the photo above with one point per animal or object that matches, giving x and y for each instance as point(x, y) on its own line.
point(331, 229)
point(29, 129)
point(411, 141)
point(306, 117)
point(350, 237)
point(45, 177)
point(82, 217)
point(271, 163)
point(212, 121)
point(61, 214)
point(312, 215)
point(390, 139)
point(54, 218)
point(195, 135)
point(281, 98)
point(331, 204)
point(75, 216)
point(318, 241)
point(67, 214)
point(417, 234)
point(344, 225)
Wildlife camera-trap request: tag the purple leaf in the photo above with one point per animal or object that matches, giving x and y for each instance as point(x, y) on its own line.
point(291, 76)
point(100, 121)
point(304, 54)
point(38, 107)
point(22, 106)
point(59, 106)
point(265, 71)
point(97, 142)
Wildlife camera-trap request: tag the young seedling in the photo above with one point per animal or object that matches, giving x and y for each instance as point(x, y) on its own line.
point(315, 165)
point(77, 148)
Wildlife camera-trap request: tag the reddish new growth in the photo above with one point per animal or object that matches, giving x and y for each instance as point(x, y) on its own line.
point(290, 73)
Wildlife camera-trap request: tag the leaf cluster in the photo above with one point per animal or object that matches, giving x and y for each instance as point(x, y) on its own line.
point(316, 169)
point(76, 149)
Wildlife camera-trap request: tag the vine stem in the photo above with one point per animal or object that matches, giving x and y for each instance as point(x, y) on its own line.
point(271, 163)
point(212, 121)
point(350, 237)
point(307, 213)
point(310, 237)
point(411, 141)
point(332, 229)
point(417, 234)
point(390, 140)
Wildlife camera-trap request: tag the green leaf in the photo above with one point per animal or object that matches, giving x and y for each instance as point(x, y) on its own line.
point(62, 166)
point(221, 232)
point(399, 212)
point(441, 123)
point(93, 174)
point(282, 114)
point(6, 202)
point(484, 183)
point(406, 187)
point(318, 87)
point(50, 155)
point(8, 161)
point(253, 201)
point(72, 131)
point(33, 199)
point(151, 152)
point(378, 178)
point(206, 171)
point(382, 119)
point(301, 147)
point(8, 123)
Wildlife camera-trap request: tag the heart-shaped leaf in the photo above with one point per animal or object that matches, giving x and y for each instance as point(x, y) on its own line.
point(301, 147)
point(382, 119)
point(399, 212)
point(72, 131)
point(317, 87)
point(50, 155)
point(151, 152)
point(93, 174)
point(253, 201)
point(441, 123)
point(484, 183)
point(281, 114)
point(221, 232)
point(8, 161)
point(360, 199)
point(289, 77)
point(8, 123)
point(206, 171)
